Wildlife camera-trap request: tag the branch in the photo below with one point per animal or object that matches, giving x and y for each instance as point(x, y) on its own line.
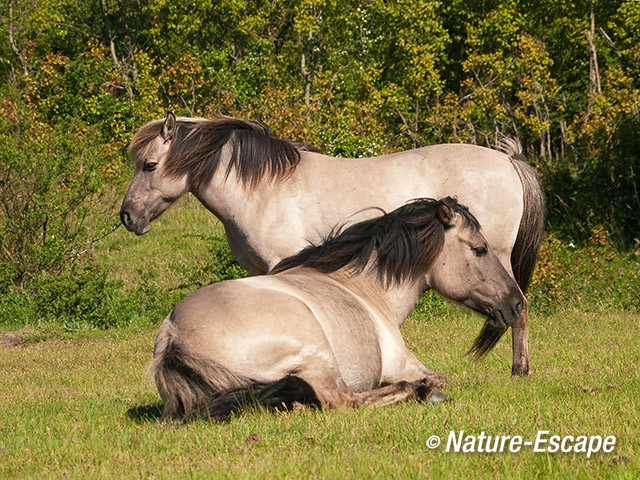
point(112, 48)
point(411, 134)
point(610, 42)
point(12, 42)
point(594, 72)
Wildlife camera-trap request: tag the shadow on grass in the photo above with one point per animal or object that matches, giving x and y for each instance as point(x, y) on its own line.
point(147, 413)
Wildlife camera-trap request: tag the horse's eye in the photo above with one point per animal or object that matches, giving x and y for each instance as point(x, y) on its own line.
point(479, 251)
point(149, 167)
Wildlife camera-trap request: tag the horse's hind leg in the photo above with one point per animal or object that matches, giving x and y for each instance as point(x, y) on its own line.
point(520, 335)
point(520, 342)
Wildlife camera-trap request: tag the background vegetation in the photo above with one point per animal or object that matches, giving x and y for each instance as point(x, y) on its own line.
point(355, 78)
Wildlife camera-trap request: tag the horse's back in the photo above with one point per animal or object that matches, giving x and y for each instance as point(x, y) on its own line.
point(481, 178)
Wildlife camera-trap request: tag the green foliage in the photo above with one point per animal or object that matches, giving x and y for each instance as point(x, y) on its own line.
point(52, 198)
point(342, 136)
point(221, 265)
point(83, 299)
point(591, 277)
point(79, 296)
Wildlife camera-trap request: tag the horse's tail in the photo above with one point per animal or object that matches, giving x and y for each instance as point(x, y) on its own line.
point(284, 393)
point(186, 381)
point(529, 239)
point(191, 386)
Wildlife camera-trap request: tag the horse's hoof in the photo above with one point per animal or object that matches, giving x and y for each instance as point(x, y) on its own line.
point(438, 397)
point(296, 406)
point(517, 372)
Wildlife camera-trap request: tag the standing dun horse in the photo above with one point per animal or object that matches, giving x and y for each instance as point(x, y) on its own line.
point(274, 196)
point(324, 325)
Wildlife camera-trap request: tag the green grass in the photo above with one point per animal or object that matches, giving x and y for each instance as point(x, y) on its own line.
point(178, 246)
point(82, 407)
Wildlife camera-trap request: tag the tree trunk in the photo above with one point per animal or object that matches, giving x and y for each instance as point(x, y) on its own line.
point(112, 47)
point(306, 74)
point(594, 72)
point(12, 42)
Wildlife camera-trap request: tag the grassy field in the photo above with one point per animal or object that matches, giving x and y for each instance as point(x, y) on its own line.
point(80, 405)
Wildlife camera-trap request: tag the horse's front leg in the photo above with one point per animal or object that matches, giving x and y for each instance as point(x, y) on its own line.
point(424, 381)
point(332, 393)
point(394, 393)
point(520, 343)
point(387, 395)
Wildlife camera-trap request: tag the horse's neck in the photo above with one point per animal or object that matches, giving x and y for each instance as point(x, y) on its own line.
point(222, 194)
point(394, 302)
point(234, 201)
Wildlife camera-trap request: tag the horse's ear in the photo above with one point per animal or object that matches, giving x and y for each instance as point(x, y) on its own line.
point(168, 127)
point(446, 214)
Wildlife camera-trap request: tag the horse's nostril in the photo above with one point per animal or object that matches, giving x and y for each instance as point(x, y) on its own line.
point(124, 218)
point(516, 304)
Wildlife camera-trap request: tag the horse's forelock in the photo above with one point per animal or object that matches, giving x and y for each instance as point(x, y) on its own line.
point(141, 140)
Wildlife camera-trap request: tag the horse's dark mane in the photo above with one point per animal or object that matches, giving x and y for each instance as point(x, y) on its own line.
point(196, 149)
point(405, 242)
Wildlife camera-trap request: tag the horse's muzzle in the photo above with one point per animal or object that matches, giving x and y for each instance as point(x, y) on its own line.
point(139, 228)
point(508, 313)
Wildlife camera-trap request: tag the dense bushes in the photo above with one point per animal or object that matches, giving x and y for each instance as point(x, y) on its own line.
point(53, 208)
point(595, 276)
point(53, 205)
point(83, 299)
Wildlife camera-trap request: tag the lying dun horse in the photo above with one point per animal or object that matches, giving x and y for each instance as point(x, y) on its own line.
point(274, 197)
point(324, 326)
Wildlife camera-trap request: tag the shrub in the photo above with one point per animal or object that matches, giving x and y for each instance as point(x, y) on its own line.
point(594, 276)
point(221, 266)
point(52, 208)
point(78, 297)
point(82, 299)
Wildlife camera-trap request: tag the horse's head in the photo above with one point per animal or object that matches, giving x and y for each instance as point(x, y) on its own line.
point(151, 191)
point(468, 272)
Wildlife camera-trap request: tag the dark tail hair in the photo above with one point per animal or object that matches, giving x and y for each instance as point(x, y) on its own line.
point(525, 251)
point(486, 340)
point(192, 387)
point(528, 241)
point(283, 393)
